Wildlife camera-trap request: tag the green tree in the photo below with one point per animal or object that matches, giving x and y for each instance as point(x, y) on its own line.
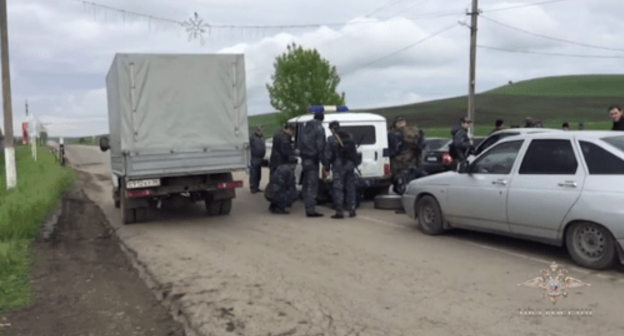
point(302, 77)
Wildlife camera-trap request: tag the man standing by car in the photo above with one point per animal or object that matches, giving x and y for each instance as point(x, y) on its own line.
point(461, 143)
point(341, 154)
point(312, 153)
point(615, 112)
point(499, 125)
point(258, 150)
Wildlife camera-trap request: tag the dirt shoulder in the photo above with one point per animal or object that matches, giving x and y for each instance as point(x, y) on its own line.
point(84, 284)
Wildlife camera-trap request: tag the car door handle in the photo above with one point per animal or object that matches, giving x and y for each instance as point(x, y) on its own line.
point(568, 184)
point(501, 182)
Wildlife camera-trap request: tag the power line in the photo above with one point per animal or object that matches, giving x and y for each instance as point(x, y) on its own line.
point(522, 6)
point(547, 54)
point(383, 7)
point(401, 50)
point(282, 26)
point(549, 37)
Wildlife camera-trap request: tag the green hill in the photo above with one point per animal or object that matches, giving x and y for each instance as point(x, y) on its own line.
point(554, 100)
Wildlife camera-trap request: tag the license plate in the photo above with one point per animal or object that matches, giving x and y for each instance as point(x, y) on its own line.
point(143, 183)
point(432, 159)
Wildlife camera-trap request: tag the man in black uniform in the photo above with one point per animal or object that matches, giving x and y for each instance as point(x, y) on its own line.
point(312, 153)
point(615, 112)
point(258, 150)
point(285, 191)
point(282, 147)
point(341, 155)
point(461, 143)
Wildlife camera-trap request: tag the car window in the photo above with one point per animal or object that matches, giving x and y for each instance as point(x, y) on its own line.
point(434, 144)
point(616, 141)
point(549, 157)
point(487, 143)
point(499, 160)
point(363, 135)
point(601, 162)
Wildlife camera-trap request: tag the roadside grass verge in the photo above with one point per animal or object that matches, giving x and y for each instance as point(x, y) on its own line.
point(39, 186)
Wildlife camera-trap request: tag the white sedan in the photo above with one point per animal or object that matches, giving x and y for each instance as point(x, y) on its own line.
point(564, 189)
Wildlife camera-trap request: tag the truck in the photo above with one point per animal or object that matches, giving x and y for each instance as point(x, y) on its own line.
point(178, 130)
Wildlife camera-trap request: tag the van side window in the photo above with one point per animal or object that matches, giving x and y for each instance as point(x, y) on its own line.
point(363, 135)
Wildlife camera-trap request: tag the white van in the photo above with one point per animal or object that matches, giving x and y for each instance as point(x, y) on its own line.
point(371, 133)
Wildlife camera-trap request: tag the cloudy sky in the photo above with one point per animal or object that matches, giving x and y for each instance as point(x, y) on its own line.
point(61, 50)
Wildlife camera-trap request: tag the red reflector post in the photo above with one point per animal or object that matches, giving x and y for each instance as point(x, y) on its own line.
point(138, 193)
point(387, 170)
point(230, 185)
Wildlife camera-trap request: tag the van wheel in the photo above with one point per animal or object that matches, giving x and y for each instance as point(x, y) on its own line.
point(226, 206)
point(591, 245)
point(430, 216)
point(128, 215)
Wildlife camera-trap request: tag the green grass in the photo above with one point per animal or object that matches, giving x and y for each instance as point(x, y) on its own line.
point(553, 100)
point(40, 184)
point(567, 86)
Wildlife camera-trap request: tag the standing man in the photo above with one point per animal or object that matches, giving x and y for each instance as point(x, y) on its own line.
point(499, 125)
point(312, 152)
point(396, 145)
point(284, 187)
point(565, 126)
point(581, 126)
point(282, 149)
point(258, 150)
point(461, 142)
point(343, 159)
point(615, 112)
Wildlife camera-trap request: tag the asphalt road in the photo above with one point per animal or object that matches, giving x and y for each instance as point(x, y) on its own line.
point(253, 273)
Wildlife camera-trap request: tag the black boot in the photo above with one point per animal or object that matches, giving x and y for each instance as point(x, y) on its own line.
point(314, 214)
point(279, 211)
point(339, 214)
point(272, 208)
point(352, 213)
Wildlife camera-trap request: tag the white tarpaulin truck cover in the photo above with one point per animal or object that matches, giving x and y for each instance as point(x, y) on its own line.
point(161, 104)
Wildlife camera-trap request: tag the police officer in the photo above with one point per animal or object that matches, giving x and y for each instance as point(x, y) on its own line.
point(285, 191)
point(343, 159)
point(282, 147)
point(461, 142)
point(312, 153)
point(258, 150)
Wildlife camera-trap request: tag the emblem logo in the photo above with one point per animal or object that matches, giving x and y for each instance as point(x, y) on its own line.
point(553, 283)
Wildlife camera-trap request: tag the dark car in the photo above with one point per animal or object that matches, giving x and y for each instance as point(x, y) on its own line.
point(436, 159)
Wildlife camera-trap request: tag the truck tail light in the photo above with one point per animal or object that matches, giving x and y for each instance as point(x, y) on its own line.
point(230, 185)
point(387, 170)
point(138, 193)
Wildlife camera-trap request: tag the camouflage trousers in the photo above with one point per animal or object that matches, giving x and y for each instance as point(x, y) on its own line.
point(310, 188)
point(344, 184)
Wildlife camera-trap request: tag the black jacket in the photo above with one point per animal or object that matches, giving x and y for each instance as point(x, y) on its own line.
point(461, 142)
point(618, 125)
point(282, 149)
point(257, 147)
point(312, 143)
point(396, 143)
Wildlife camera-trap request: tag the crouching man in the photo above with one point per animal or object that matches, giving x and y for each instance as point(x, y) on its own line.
point(285, 191)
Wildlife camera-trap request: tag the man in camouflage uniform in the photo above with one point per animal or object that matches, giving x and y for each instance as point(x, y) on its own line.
point(284, 187)
point(258, 150)
point(343, 160)
point(312, 153)
point(396, 145)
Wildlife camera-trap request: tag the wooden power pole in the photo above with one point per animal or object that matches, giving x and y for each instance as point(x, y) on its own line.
point(473, 61)
point(9, 150)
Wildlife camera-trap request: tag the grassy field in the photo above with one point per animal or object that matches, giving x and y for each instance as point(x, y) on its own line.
point(553, 100)
point(39, 186)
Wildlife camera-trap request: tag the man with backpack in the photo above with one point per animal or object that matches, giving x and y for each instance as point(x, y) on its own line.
point(342, 156)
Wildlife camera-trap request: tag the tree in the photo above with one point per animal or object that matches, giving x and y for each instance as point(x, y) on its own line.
point(302, 78)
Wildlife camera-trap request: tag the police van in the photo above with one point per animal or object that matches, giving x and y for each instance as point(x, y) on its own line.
point(369, 131)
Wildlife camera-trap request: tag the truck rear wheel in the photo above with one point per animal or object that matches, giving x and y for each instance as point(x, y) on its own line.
point(128, 215)
point(226, 206)
point(219, 207)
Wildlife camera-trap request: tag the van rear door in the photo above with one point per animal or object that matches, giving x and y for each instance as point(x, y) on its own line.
point(371, 146)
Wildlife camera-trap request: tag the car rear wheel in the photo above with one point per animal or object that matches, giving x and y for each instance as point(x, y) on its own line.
point(591, 245)
point(430, 216)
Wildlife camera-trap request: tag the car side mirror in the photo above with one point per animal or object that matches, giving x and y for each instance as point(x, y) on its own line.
point(464, 167)
point(104, 145)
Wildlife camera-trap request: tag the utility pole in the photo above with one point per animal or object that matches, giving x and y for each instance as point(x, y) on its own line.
point(27, 107)
point(9, 150)
point(473, 62)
